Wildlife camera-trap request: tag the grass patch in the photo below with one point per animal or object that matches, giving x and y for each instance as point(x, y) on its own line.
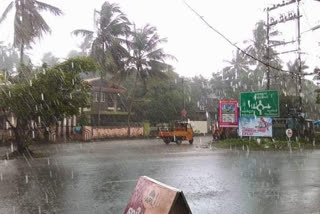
point(265, 144)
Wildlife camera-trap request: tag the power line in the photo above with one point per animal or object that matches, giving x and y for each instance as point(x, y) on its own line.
point(233, 44)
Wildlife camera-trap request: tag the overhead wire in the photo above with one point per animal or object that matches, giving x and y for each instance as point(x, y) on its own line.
point(237, 47)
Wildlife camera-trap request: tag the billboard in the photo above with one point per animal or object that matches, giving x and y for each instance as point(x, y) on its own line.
point(228, 113)
point(255, 126)
point(259, 104)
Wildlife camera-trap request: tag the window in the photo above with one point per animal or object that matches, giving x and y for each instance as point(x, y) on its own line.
point(110, 101)
point(102, 97)
point(95, 96)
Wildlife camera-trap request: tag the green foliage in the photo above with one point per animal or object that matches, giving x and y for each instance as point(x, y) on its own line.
point(165, 98)
point(78, 65)
point(83, 119)
point(317, 90)
point(163, 101)
point(25, 73)
point(318, 95)
point(264, 144)
point(48, 97)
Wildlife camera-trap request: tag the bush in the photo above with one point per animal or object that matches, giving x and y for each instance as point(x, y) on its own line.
point(265, 144)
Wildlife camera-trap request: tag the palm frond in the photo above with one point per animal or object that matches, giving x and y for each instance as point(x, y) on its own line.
point(82, 32)
point(148, 30)
point(87, 42)
point(37, 25)
point(47, 7)
point(6, 11)
point(157, 54)
point(154, 42)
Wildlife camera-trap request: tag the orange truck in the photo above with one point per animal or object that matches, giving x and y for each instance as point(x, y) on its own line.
point(181, 131)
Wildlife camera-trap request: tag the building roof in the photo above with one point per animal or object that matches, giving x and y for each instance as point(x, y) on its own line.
point(99, 84)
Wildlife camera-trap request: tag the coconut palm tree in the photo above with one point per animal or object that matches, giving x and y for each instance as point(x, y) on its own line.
point(292, 79)
point(106, 42)
point(28, 22)
point(238, 69)
point(146, 59)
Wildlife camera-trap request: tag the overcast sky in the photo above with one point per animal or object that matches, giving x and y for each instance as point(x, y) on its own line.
point(199, 50)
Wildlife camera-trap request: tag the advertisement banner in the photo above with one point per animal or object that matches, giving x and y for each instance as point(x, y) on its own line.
point(255, 126)
point(228, 113)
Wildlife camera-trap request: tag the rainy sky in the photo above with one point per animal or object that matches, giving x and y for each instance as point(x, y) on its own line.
point(198, 49)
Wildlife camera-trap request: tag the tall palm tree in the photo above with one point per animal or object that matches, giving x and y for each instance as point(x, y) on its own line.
point(28, 22)
point(106, 42)
point(259, 49)
point(146, 58)
point(294, 69)
point(236, 76)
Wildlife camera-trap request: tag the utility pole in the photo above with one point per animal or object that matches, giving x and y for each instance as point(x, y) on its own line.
point(284, 18)
point(268, 52)
point(299, 58)
point(184, 101)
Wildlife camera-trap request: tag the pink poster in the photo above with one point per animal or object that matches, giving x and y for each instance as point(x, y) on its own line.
point(228, 113)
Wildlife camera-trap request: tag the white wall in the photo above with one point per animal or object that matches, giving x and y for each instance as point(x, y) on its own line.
point(199, 126)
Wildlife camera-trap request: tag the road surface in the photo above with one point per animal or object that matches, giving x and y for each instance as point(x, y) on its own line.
point(99, 177)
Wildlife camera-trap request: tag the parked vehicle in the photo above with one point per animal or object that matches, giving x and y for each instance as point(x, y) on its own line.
point(180, 131)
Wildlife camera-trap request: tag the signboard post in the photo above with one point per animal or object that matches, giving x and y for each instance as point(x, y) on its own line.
point(153, 197)
point(259, 104)
point(289, 133)
point(228, 113)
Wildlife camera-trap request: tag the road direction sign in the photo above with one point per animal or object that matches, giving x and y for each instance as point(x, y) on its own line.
point(259, 104)
point(289, 133)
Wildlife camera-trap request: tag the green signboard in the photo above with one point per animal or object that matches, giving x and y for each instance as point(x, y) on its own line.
point(259, 104)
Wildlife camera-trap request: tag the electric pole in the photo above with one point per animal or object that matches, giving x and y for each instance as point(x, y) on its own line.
point(299, 58)
point(268, 52)
point(284, 18)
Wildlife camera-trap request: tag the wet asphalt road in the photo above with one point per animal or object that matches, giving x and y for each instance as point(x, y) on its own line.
point(92, 178)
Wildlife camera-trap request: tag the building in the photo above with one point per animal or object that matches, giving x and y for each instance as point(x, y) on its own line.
point(108, 106)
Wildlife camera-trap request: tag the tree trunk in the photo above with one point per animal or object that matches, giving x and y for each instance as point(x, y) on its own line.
point(99, 104)
point(131, 101)
point(20, 147)
point(17, 137)
point(57, 131)
point(61, 128)
point(67, 128)
point(46, 135)
point(19, 141)
point(21, 53)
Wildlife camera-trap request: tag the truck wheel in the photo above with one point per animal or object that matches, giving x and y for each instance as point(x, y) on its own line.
point(191, 141)
point(166, 140)
point(179, 141)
